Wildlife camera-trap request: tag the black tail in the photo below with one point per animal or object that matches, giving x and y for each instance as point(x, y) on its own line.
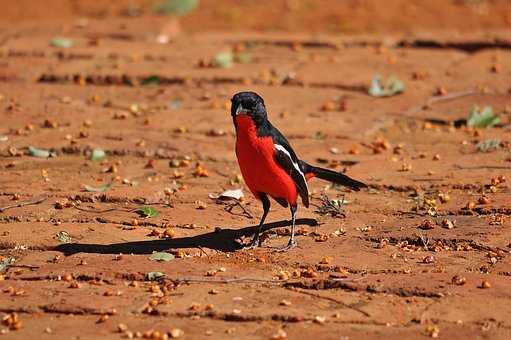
point(332, 176)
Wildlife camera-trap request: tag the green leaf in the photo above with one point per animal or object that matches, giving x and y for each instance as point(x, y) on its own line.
point(40, 153)
point(391, 87)
point(64, 237)
point(482, 118)
point(151, 81)
point(319, 135)
point(175, 104)
point(147, 212)
point(98, 155)
point(488, 145)
point(62, 42)
point(6, 262)
point(151, 276)
point(102, 188)
point(161, 256)
point(223, 60)
point(243, 57)
point(177, 7)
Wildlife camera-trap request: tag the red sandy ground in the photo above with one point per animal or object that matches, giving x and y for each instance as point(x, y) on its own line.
point(383, 276)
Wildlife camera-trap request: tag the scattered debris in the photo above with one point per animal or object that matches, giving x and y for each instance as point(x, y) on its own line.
point(40, 153)
point(236, 194)
point(101, 188)
point(153, 276)
point(147, 212)
point(64, 237)
point(482, 118)
point(61, 42)
point(176, 7)
point(161, 256)
point(98, 155)
point(391, 87)
point(331, 207)
point(6, 262)
point(488, 145)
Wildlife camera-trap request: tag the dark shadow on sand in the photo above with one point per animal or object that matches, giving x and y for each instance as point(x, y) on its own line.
point(221, 239)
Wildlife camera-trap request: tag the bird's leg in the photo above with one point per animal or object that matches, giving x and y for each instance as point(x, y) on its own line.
point(266, 209)
point(292, 243)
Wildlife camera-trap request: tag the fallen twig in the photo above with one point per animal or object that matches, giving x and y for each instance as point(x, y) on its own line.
point(234, 280)
point(319, 296)
point(24, 203)
point(236, 203)
point(97, 211)
point(328, 206)
point(500, 167)
point(438, 99)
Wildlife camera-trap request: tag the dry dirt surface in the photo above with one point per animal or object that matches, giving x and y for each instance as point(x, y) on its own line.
point(423, 252)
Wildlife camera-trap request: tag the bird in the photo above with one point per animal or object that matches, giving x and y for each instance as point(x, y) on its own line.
point(270, 166)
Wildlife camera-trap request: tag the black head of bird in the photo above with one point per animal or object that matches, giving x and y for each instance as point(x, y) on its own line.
point(248, 103)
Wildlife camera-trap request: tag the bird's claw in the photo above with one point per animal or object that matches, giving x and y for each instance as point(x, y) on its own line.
point(289, 246)
point(253, 245)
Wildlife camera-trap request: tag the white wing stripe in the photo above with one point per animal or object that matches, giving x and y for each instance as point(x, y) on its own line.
point(283, 149)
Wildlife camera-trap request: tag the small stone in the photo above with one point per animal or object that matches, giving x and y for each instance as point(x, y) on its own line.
point(432, 331)
point(176, 333)
point(483, 200)
point(485, 284)
point(448, 224)
point(320, 319)
point(326, 260)
point(103, 318)
point(458, 280)
point(121, 328)
point(427, 225)
point(470, 205)
point(285, 303)
point(279, 335)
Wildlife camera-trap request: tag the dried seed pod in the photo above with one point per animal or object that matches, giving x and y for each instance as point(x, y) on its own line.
point(176, 333)
point(121, 328)
point(279, 335)
point(485, 284)
point(103, 318)
point(194, 306)
point(320, 319)
point(470, 205)
point(326, 260)
point(483, 200)
point(427, 225)
point(448, 224)
point(285, 303)
point(200, 171)
point(432, 331)
point(444, 197)
point(321, 238)
point(405, 167)
point(74, 285)
point(328, 106)
point(200, 205)
point(458, 280)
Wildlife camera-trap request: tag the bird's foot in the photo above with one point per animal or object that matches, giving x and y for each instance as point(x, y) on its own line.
point(254, 244)
point(290, 245)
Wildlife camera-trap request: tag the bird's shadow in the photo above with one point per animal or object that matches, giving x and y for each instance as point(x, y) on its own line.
point(224, 240)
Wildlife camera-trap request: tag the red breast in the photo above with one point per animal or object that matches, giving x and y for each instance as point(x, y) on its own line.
point(257, 163)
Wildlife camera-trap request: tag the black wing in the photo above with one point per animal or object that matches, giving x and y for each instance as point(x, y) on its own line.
point(286, 158)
